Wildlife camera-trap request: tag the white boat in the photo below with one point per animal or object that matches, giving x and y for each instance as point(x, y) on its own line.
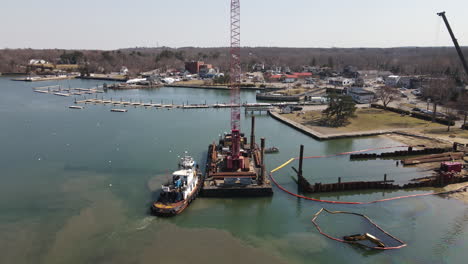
point(180, 191)
point(119, 110)
point(75, 107)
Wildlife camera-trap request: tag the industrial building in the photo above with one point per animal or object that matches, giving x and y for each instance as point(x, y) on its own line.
point(194, 66)
point(360, 95)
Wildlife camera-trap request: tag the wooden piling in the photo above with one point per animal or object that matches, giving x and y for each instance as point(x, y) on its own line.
point(301, 158)
point(262, 140)
point(252, 135)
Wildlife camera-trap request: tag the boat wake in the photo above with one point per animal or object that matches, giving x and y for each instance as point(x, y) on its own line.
point(144, 223)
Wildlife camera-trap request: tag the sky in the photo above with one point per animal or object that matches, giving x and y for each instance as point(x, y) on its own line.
point(114, 24)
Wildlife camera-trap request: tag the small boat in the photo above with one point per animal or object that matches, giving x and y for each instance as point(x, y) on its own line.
point(272, 150)
point(180, 191)
point(75, 107)
point(119, 110)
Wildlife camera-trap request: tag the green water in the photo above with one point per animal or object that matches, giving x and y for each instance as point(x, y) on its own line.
point(75, 186)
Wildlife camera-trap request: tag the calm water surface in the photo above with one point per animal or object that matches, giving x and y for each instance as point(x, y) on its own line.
point(76, 185)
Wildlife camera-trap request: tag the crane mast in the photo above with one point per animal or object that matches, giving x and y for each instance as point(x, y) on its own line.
point(235, 160)
point(455, 42)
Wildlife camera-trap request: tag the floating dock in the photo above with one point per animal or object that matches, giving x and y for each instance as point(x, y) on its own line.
point(44, 78)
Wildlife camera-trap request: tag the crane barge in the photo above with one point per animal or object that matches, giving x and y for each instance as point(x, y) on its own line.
point(234, 166)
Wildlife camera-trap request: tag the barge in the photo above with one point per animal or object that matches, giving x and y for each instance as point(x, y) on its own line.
point(247, 180)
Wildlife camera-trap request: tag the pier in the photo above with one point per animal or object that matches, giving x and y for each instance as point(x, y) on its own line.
point(67, 92)
point(44, 78)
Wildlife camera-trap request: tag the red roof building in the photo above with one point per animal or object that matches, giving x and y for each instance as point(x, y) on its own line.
point(303, 74)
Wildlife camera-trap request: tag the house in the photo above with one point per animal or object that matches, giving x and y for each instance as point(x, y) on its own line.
point(392, 80)
point(258, 67)
point(207, 72)
point(302, 75)
point(290, 79)
point(340, 81)
point(313, 69)
point(350, 72)
point(286, 110)
point(410, 82)
point(274, 77)
point(368, 75)
point(124, 70)
point(37, 62)
point(360, 95)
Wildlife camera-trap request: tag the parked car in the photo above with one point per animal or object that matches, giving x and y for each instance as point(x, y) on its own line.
point(416, 109)
point(416, 92)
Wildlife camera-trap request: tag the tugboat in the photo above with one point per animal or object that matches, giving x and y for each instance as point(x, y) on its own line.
point(179, 192)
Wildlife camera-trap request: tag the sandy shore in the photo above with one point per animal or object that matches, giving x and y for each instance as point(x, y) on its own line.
point(408, 140)
point(462, 196)
point(414, 141)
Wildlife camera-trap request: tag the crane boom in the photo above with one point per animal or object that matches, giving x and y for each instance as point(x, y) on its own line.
point(455, 42)
point(235, 161)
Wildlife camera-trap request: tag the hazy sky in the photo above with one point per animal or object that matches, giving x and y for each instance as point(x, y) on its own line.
point(112, 24)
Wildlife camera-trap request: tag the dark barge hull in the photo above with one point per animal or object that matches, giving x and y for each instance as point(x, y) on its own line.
point(167, 212)
point(247, 191)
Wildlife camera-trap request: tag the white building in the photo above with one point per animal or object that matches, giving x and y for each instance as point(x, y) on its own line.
point(360, 95)
point(258, 67)
point(123, 70)
point(36, 62)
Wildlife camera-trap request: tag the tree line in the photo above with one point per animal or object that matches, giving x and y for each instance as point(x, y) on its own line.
point(411, 60)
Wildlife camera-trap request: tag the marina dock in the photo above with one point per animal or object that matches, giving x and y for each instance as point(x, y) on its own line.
point(44, 78)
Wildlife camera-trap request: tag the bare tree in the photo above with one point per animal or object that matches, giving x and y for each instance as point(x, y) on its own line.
point(462, 106)
point(439, 91)
point(387, 95)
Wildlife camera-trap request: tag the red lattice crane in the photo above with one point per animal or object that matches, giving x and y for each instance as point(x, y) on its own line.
point(235, 160)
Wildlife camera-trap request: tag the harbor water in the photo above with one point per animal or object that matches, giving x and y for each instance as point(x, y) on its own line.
point(76, 186)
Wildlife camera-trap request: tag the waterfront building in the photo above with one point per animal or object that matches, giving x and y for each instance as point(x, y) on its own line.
point(360, 95)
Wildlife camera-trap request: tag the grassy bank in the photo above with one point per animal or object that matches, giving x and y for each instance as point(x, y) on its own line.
point(371, 119)
point(365, 120)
